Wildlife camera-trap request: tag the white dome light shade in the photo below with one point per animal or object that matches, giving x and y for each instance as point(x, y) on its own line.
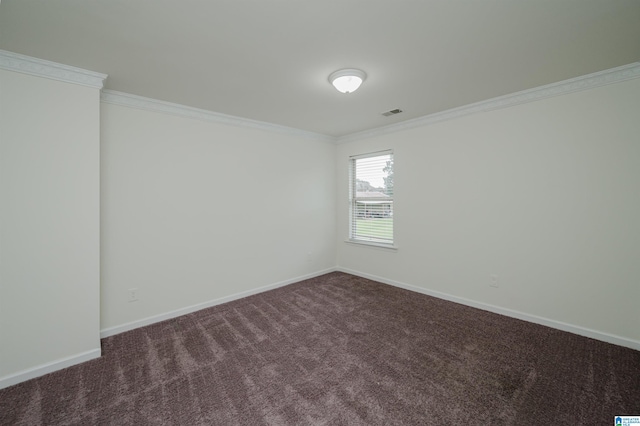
point(347, 81)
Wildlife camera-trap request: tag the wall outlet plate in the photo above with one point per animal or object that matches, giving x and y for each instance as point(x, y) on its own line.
point(133, 294)
point(493, 280)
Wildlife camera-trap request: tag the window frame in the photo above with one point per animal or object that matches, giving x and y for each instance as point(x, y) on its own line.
point(353, 199)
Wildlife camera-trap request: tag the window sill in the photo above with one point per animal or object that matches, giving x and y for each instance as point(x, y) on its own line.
point(372, 244)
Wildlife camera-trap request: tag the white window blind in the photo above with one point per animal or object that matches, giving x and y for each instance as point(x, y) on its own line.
point(371, 198)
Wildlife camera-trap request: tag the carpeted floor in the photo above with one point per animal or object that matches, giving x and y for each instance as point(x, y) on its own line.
point(337, 350)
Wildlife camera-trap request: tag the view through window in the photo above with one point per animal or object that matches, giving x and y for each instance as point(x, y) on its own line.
point(371, 198)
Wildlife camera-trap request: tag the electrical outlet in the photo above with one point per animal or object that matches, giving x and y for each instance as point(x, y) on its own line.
point(133, 294)
point(493, 280)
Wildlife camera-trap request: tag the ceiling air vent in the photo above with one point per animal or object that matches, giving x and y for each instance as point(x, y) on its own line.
point(392, 112)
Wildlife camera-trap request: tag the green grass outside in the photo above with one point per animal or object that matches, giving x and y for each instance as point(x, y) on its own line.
point(375, 228)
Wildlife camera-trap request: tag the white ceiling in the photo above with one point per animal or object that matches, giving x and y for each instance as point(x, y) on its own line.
point(269, 60)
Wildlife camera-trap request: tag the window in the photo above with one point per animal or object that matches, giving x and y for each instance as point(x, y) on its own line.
point(371, 198)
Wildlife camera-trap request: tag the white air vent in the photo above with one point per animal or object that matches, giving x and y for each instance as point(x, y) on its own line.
point(392, 112)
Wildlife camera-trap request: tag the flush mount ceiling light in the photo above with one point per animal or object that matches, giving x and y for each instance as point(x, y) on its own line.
point(347, 80)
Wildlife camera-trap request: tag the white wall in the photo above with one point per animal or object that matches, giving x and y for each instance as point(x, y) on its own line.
point(49, 224)
point(545, 194)
point(195, 211)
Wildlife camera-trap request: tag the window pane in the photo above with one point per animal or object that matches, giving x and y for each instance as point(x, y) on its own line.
point(371, 192)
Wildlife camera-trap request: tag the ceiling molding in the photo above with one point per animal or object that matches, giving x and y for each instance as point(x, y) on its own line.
point(28, 65)
point(140, 102)
point(52, 70)
point(589, 81)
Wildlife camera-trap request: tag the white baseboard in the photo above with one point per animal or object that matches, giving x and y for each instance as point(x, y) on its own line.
point(96, 353)
point(111, 331)
point(559, 325)
point(50, 367)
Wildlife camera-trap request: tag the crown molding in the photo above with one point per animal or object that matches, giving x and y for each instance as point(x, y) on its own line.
point(589, 81)
point(52, 70)
point(28, 65)
point(140, 102)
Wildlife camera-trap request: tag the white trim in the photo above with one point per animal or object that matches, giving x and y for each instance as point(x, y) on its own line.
point(371, 154)
point(559, 325)
point(585, 82)
point(42, 68)
point(372, 244)
point(50, 367)
point(111, 331)
point(140, 102)
point(47, 69)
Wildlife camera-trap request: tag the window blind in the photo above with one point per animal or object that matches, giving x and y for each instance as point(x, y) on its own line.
point(371, 198)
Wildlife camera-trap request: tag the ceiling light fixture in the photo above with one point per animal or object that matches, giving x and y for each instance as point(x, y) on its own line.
point(347, 80)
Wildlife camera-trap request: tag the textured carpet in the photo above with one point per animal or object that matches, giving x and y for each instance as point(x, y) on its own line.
point(337, 350)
